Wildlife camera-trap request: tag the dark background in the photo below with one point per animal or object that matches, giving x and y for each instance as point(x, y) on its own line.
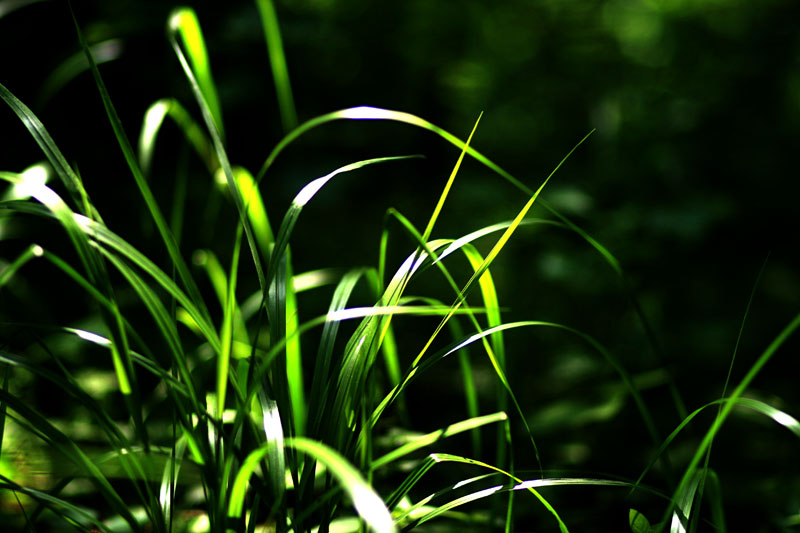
point(690, 180)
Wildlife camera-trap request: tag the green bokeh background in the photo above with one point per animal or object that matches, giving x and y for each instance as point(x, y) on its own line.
point(690, 180)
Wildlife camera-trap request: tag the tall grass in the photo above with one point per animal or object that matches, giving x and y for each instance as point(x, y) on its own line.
point(233, 417)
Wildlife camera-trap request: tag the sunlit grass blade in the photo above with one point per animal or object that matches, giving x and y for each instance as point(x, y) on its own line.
point(37, 130)
point(277, 61)
point(194, 134)
point(431, 438)
point(169, 479)
point(294, 360)
point(276, 459)
point(183, 21)
point(438, 458)
point(684, 501)
point(219, 148)
point(229, 317)
point(438, 209)
point(366, 501)
point(307, 193)
point(256, 212)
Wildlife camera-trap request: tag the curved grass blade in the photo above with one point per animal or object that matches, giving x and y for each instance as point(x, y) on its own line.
point(37, 130)
point(256, 211)
point(183, 21)
point(438, 458)
point(228, 320)
point(366, 501)
point(151, 126)
point(277, 60)
point(430, 438)
point(222, 156)
point(307, 193)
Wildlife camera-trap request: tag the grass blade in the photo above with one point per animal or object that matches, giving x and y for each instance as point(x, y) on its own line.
point(277, 60)
point(183, 22)
point(366, 501)
point(151, 126)
point(431, 438)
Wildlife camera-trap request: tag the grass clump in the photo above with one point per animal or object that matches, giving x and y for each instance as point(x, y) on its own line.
point(216, 408)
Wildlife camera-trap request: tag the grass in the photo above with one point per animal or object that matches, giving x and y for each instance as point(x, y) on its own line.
point(216, 410)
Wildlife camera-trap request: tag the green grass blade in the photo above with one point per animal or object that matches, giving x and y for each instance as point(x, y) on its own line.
point(207, 260)
point(438, 209)
point(683, 502)
point(165, 324)
point(222, 156)
point(256, 212)
point(151, 126)
point(307, 193)
point(276, 459)
point(431, 438)
point(183, 21)
point(442, 458)
point(294, 360)
point(37, 130)
point(277, 61)
point(228, 320)
point(366, 501)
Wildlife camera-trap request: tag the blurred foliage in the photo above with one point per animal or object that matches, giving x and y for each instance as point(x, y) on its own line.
point(690, 178)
